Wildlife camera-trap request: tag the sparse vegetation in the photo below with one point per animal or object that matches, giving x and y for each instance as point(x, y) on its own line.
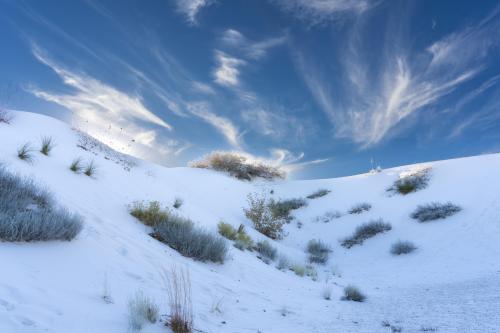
point(311, 272)
point(178, 203)
point(25, 153)
point(90, 169)
point(227, 230)
point(262, 218)
point(298, 269)
point(411, 183)
point(242, 240)
point(151, 214)
point(283, 263)
point(402, 247)
point(29, 213)
point(318, 251)
point(76, 165)
point(360, 208)
point(328, 216)
point(239, 166)
point(318, 194)
point(47, 145)
point(327, 293)
point(5, 116)
point(365, 231)
point(435, 211)
point(267, 252)
point(281, 210)
point(141, 309)
point(352, 293)
point(178, 285)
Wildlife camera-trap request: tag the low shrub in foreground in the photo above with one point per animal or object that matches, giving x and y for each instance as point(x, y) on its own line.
point(262, 218)
point(435, 211)
point(239, 166)
point(141, 309)
point(180, 234)
point(411, 183)
point(29, 213)
point(282, 209)
point(402, 247)
point(352, 293)
point(318, 251)
point(360, 208)
point(266, 250)
point(365, 231)
point(318, 194)
point(178, 285)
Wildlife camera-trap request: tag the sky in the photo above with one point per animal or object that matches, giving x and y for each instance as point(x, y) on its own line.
point(324, 88)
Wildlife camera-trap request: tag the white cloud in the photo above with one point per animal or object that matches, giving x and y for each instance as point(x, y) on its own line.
point(227, 71)
point(191, 8)
point(202, 88)
point(117, 119)
point(235, 40)
point(223, 125)
point(316, 11)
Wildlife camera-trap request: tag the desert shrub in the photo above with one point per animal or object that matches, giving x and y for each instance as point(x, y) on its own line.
point(238, 166)
point(402, 247)
point(262, 218)
point(76, 165)
point(298, 269)
point(90, 169)
point(5, 116)
point(435, 211)
point(365, 231)
point(266, 250)
point(411, 183)
point(352, 293)
point(318, 251)
point(180, 234)
point(282, 209)
point(283, 262)
point(178, 203)
point(227, 230)
point(141, 309)
point(318, 194)
point(29, 213)
point(178, 285)
point(328, 216)
point(25, 153)
point(151, 214)
point(47, 145)
point(360, 208)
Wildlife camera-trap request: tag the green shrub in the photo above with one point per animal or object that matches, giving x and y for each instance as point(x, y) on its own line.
point(151, 214)
point(411, 183)
point(318, 194)
point(365, 231)
point(262, 218)
point(318, 251)
point(298, 269)
point(47, 145)
point(76, 165)
point(352, 293)
point(25, 153)
point(282, 209)
point(227, 230)
point(401, 247)
point(90, 169)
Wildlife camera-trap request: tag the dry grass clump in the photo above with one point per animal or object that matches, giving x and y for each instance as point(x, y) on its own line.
point(178, 285)
point(318, 251)
point(242, 240)
point(402, 247)
point(239, 166)
point(141, 309)
point(150, 214)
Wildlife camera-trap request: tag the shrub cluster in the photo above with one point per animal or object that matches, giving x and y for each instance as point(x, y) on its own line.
point(180, 233)
point(267, 252)
point(238, 166)
point(365, 231)
point(242, 240)
point(318, 194)
point(318, 251)
point(328, 216)
point(402, 247)
point(435, 211)
point(282, 209)
point(29, 213)
point(352, 293)
point(360, 208)
point(411, 183)
point(262, 217)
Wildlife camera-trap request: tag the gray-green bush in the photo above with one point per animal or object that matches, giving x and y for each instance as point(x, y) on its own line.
point(318, 194)
point(141, 309)
point(402, 247)
point(360, 208)
point(281, 209)
point(435, 211)
point(47, 145)
point(318, 251)
point(352, 293)
point(262, 218)
point(266, 250)
point(411, 183)
point(365, 231)
point(29, 213)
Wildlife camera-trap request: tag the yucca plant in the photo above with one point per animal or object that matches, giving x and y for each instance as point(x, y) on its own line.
point(47, 145)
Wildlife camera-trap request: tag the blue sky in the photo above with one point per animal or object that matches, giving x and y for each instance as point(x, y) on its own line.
point(321, 86)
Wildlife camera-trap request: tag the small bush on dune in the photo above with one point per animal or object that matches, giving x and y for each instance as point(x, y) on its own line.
point(352, 293)
point(435, 211)
point(47, 145)
point(90, 169)
point(5, 116)
point(76, 165)
point(360, 208)
point(151, 214)
point(242, 240)
point(180, 234)
point(141, 309)
point(178, 203)
point(318, 194)
point(298, 269)
point(318, 251)
point(227, 230)
point(282, 209)
point(402, 247)
point(262, 218)
point(239, 166)
point(29, 213)
point(266, 250)
point(25, 153)
point(411, 183)
point(328, 216)
point(365, 231)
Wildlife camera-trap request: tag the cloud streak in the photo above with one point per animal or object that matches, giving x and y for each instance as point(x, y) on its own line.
point(191, 8)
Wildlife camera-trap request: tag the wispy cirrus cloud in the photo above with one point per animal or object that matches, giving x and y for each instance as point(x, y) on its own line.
point(191, 8)
point(227, 71)
point(239, 43)
point(373, 100)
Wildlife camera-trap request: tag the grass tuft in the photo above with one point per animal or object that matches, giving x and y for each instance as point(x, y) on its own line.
point(318, 251)
point(25, 153)
point(360, 208)
point(47, 145)
point(90, 169)
point(76, 165)
point(402, 247)
point(141, 309)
